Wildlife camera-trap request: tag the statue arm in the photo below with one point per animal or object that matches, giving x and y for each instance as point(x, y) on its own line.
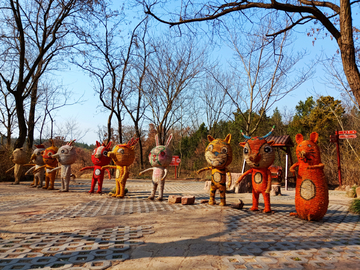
point(108, 171)
point(230, 179)
point(87, 168)
point(203, 169)
point(108, 167)
point(39, 168)
point(243, 175)
point(9, 170)
point(320, 166)
point(55, 169)
point(29, 171)
point(149, 169)
point(165, 174)
point(292, 168)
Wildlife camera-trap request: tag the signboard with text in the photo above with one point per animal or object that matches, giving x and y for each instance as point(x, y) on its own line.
point(345, 132)
point(175, 161)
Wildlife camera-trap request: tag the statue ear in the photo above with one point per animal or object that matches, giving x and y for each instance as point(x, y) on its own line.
point(271, 142)
point(242, 144)
point(228, 138)
point(97, 144)
point(169, 140)
point(299, 138)
point(157, 139)
point(210, 138)
point(314, 136)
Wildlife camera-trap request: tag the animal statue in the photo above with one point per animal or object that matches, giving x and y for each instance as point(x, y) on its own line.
point(50, 164)
point(19, 158)
point(160, 158)
point(259, 155)
point(99, 158)
point(312, 194)
point(37, 158)
point(218, 155)
point(66, 155)
point(123, 156)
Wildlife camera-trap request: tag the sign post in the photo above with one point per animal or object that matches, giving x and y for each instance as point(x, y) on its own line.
point(342, 134)
point(175, 162)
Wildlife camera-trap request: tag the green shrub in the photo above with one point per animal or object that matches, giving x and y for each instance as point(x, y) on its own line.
point(355, 206)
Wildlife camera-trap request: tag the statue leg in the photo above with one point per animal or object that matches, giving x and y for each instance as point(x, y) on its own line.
point(161, 190)
point(122, 189)
point(213, 189)
point(46, 182)
point(152, 196)
point(93, 183)
point(33, 184)
point(117, 189)
point(100, 183)
point(266, 202)
point(255, 199)
point(222, 190)
point(67, 184)
point(52, 181)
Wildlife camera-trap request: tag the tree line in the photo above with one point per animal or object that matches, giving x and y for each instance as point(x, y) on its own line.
point(167, 80)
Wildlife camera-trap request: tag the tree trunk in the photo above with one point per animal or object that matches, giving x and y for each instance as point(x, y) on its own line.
point(137, 131)
point(31, 121)
point(347, 49)
point(21, 119)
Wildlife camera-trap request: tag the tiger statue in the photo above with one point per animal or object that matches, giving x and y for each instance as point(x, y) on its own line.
point(123, 155)
point(311, 194)
point(218, 155)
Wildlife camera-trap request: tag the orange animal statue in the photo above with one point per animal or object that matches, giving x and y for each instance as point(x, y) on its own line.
point(312, 194)
point(50, 163)
point(123, 155)
point(259, 155)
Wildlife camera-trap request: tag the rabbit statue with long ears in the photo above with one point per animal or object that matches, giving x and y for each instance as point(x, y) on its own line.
point(160, 158)
point(66, 155)
point(99, 158)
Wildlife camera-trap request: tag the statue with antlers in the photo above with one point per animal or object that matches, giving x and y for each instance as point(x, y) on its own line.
point(259, 155)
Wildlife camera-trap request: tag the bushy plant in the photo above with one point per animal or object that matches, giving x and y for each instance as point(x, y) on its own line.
point(355, 206)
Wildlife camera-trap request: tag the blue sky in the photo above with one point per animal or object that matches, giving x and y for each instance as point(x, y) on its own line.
point(89, 115)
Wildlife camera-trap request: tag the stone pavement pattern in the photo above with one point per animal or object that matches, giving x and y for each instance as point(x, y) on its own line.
point(50, 230)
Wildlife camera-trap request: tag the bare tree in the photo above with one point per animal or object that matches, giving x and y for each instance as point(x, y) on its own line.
point(33, 34)
point(173, 71)
point(215, 104)
point(335, 16)
point(52, 98)
point(261, 70)
point(107, 58)
point(8, 114)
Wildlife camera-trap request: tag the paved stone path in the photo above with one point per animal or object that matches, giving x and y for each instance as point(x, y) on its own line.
point(279, 241)
point(75, 250)
point(251, 240)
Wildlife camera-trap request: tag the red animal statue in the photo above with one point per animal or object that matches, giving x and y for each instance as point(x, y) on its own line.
point(259, 155)
point(99, 158)
point(312, 194)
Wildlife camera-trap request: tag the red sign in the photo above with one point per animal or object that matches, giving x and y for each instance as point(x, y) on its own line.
point(350, 136)
point(346, 132)
point(175, 161)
